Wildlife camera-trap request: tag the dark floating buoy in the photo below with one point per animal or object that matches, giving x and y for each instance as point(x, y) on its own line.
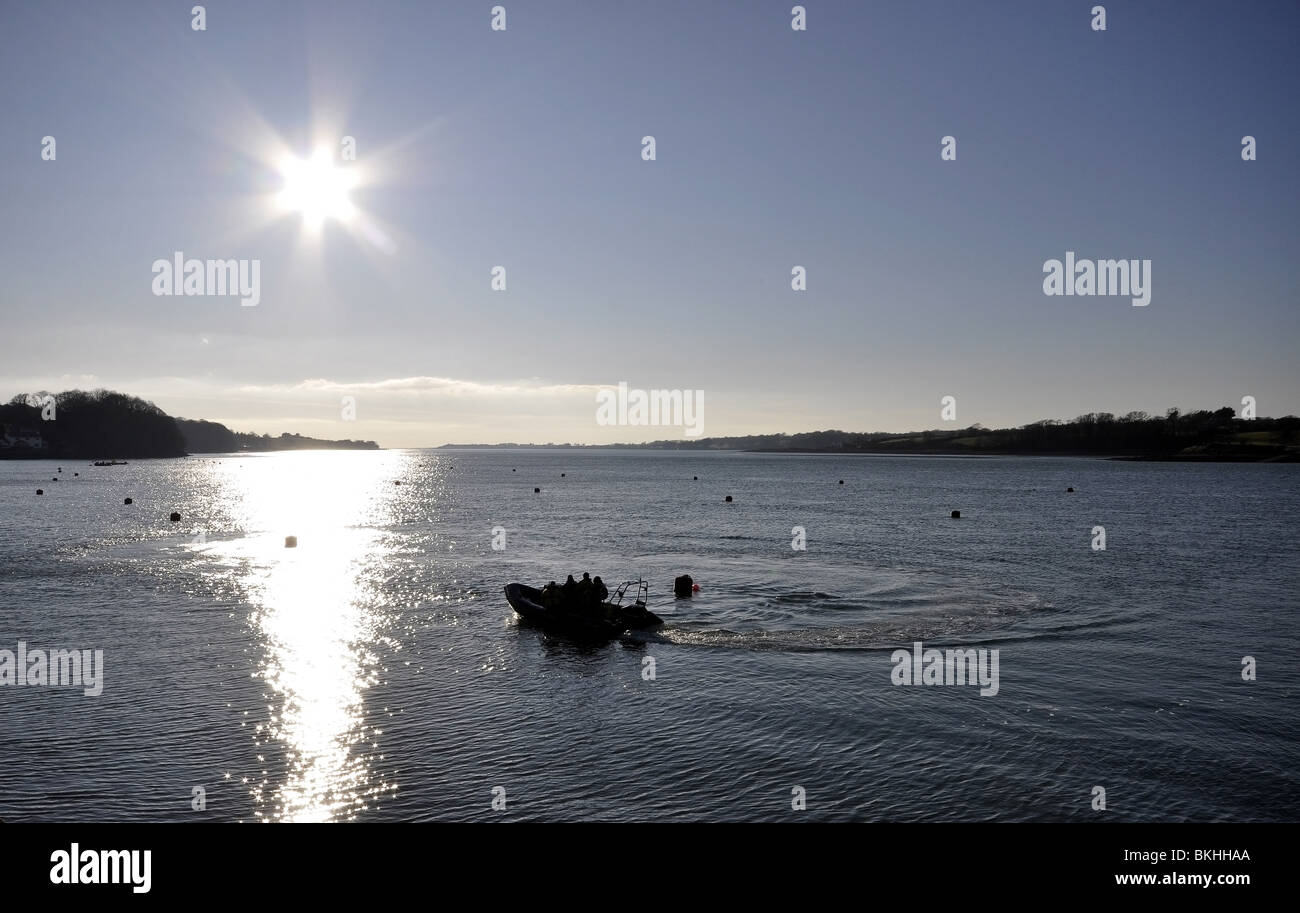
point(40, 491)
point(1069, 489)
point(537, 491)
point(176, 518)
point(956, 515)
point(290, 541)
point(728, 499)
point(683, 586)
point(126, 501)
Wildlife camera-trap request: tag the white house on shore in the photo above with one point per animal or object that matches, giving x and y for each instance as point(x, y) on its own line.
point(15, 437)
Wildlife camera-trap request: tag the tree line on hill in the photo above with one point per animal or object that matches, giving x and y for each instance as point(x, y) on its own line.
point(103, 424)
point(211, 437)
point(1203, 434)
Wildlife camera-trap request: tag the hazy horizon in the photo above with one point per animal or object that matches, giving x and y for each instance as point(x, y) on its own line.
point(775, 148)
point(330, 425)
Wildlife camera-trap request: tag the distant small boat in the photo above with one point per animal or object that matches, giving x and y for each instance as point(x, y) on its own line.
point(601, 622)
point(109, 463)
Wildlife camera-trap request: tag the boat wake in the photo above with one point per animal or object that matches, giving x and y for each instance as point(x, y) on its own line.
point(813, 621)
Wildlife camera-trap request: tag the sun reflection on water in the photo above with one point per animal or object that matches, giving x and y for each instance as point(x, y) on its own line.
point(317, 629)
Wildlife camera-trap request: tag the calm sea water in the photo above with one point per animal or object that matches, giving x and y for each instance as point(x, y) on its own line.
point(376, 672)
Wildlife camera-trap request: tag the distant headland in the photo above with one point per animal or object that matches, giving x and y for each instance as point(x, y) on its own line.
point(1218, 436)
point(103, 424)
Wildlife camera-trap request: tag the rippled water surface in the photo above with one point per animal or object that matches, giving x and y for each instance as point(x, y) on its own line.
point(376, 672)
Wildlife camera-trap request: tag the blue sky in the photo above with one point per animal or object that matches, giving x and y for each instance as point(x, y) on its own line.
point(774, 148)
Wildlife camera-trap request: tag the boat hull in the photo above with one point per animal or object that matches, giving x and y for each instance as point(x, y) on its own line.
point(609, 622)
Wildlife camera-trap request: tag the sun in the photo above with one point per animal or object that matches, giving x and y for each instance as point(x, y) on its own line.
point(316, 188)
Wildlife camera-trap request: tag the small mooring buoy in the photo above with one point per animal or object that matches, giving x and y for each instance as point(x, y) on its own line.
point(728, 499)
point(127, 501)
point(956, 515)
point(175, 518)
point(290, 541)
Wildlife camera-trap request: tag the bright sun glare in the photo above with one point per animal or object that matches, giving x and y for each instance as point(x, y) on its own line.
point(316, 188)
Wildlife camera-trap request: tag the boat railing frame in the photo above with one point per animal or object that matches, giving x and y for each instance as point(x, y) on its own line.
point(642, 592)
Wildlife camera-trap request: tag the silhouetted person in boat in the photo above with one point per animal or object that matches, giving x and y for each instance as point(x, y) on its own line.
point(584, 589)
point(569, 592)
point(550, 595)
point(599, 591)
